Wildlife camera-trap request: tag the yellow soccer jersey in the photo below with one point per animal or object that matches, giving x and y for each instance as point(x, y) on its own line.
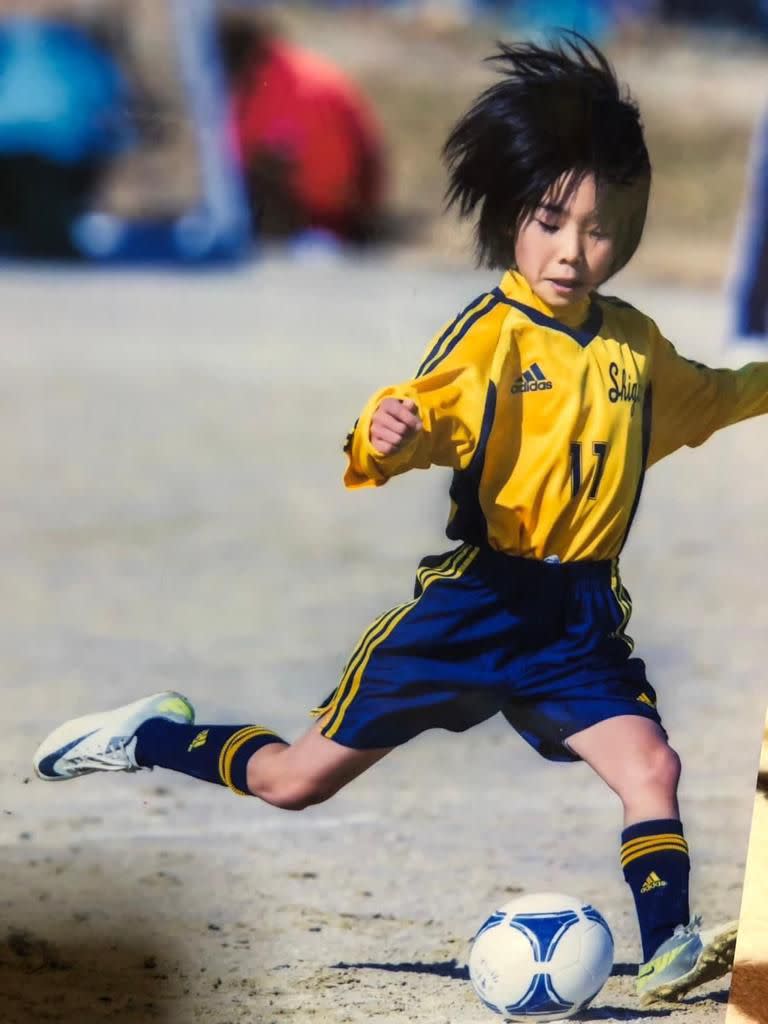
point(549, 424)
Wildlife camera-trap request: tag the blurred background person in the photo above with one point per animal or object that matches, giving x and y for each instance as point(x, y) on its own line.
point(750, 284)
point(63, 118)
point(751, 15)
point(311, 151)
point(597, 19)
point(590, 17)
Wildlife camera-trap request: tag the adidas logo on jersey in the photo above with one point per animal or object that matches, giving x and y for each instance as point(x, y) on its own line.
point(532, 379)
point(652, 882)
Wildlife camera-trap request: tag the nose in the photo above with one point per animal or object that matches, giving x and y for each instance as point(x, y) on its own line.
point(571, 248)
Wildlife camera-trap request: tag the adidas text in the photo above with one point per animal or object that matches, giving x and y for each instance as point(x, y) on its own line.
point(521, 386)
point(532, 379)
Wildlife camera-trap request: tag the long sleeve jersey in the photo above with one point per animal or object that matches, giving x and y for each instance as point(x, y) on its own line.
point(549, 424)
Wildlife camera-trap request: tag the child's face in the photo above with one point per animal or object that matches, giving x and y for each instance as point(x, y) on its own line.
point(566, 248)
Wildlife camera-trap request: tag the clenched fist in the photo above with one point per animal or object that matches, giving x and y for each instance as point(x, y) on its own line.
point(393, 424)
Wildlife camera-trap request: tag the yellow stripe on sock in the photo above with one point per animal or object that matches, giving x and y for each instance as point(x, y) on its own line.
point(633, 844)
point(658, 849)
point(656, 841)
point(231, 747)
point(461, 560)
point(661, 847)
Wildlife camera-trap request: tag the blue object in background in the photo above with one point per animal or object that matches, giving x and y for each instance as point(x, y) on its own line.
point(61, 97)
point(750, 286)
point(217, 229)
point(592, 18)
point(220, 226)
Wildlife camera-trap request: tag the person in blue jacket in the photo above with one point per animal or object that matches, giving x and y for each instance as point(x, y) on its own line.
point(64, 115)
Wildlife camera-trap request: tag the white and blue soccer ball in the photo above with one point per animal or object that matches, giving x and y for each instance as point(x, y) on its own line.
point(541, 957)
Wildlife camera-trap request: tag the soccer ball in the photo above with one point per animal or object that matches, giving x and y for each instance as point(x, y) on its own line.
point(541, 957)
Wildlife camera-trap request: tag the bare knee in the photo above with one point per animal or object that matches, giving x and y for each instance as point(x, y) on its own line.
point(655, 770)
point(662, 768)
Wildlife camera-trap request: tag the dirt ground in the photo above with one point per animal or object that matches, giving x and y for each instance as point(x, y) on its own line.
point(173, 516)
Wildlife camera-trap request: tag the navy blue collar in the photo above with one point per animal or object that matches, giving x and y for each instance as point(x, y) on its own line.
point(583, 335)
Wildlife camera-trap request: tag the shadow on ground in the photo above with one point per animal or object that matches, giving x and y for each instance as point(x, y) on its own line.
point(84, 940)
point(100, 978)
point(449, 969)
point(452, 969)
point(622, 1013)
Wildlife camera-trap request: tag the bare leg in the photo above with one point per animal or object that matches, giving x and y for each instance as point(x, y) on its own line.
point(632, 756)
point(308, 771)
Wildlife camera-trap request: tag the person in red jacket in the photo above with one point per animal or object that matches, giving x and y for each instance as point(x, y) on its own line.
point(311, 150)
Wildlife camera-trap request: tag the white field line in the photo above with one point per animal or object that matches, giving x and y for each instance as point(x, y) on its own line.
point(212, 833)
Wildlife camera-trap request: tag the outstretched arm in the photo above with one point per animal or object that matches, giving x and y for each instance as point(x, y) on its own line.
point(692, 401)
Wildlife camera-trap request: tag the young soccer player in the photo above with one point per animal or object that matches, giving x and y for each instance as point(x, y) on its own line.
point(549, 401)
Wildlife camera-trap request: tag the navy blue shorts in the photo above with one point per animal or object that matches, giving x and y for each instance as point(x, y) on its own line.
point(543, 643)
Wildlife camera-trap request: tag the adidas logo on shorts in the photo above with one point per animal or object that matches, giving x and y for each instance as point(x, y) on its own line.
point(533, 379)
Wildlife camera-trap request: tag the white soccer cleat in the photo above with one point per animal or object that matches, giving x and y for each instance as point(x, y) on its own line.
point(105, 742)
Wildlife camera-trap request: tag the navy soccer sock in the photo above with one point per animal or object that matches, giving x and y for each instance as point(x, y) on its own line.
point(214, 753)
point(654, 857)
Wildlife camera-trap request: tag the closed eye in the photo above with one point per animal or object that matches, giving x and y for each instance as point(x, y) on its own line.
point(550, 229)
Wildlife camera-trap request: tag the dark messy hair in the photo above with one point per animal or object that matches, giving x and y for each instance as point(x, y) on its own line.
point(558, 114)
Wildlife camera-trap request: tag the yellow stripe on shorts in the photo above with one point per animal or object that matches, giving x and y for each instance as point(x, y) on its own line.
point(452, 568)
point(423, 576)
point(625, 605)
point(231, 747)
point(339, 692)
